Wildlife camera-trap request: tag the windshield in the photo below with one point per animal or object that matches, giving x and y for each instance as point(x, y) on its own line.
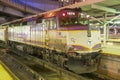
point(74, 20)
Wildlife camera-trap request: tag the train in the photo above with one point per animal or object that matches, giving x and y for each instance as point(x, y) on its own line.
point(63, 38)
point(113, 32)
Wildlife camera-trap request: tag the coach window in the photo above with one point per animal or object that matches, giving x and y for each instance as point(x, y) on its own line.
point(47, 23)
point(55, 24)
point(83, 21)
point(17, 24)
point(52, 24)
point(118, 30)
point(24, 23)
point(111, 31)
point(39, 20)
point(28, 23)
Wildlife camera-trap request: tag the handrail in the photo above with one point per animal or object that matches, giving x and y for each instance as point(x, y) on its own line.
point(21, 7)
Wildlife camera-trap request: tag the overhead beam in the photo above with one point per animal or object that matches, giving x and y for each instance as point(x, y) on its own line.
point(76, 5)
point(11, 11)
point(103, 8)
point(20, 7)
point(96, 19)
point(2, 20)
point(84, 3)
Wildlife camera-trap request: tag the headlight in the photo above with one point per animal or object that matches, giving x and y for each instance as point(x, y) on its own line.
point(89, 42)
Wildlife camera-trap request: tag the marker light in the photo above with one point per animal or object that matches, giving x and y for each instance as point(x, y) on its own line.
point(63, 14)
point(87, 16)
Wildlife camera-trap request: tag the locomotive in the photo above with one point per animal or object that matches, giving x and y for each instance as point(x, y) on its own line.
point(62, 37)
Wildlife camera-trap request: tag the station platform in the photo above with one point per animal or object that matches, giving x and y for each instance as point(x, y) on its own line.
point(110, 61)
point(112, 47)
point(5, 73)
point(114, 40)
point(111, 50)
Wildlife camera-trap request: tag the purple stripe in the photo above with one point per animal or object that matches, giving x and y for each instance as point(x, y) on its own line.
point(80, 47)
point(97, 46)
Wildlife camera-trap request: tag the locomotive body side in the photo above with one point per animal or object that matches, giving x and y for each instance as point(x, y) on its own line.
point(3, 36)
point(32, 34)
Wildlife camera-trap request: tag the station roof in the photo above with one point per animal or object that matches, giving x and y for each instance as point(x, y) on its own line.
point(106, 6)
point(103, 11)
point(111, 7)
point(99, 9)
point(43, 5)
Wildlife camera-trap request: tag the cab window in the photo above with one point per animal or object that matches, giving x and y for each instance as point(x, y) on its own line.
point(50, 24)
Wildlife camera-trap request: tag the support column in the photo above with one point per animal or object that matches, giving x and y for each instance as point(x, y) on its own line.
point(105, 34)
point(105, 30)
point(108, 27)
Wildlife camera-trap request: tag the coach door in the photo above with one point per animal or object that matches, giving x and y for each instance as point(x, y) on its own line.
point(45, 29)
point(50, 31)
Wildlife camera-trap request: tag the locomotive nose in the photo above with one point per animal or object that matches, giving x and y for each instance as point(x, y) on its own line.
point(90, 43)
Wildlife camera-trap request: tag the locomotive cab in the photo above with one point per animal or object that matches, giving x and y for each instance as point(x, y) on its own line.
point(82, 41)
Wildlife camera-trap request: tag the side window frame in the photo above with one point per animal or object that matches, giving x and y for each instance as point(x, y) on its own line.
point(51, 23)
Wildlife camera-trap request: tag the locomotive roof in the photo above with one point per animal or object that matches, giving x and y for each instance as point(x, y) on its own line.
point(41, 15)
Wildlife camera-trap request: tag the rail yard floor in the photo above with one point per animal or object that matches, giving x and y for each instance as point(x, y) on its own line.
point(4, 74)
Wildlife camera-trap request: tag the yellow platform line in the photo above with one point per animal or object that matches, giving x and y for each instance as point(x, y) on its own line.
point(111, 50)
point(5, 73)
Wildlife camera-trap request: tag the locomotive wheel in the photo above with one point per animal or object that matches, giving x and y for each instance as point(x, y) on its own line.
point(24, 49)
point(62, 61)
point(13, 45)
point(51, 59)
point(46, 55)
point(40, 55)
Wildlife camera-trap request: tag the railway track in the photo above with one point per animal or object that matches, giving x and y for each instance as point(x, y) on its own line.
point(43, 65)
point(43, 70)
